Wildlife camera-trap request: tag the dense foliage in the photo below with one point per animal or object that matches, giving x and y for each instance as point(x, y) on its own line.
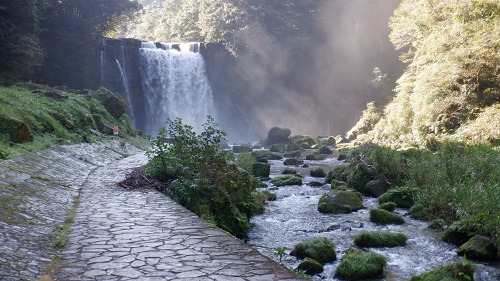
point(453, 73)
point(201, 177)
point(55, 37)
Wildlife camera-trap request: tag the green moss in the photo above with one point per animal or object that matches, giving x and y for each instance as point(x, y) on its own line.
point(317, 172)
point(325, 150)
point(379, 239)
point(289, 171)
point(310, 266)
point(459, 232)
point(339, 202)
point(402, 196)
point(420, 212)
point(286, 180)
point(293, 162)
point(385, 217)
point(358, 265)
point(295, 153)
point(315, 157)
point(278, 147)
point(338, 173)
point(265, 155)
point(388, 206)
point(320, 249)
point(458, 271)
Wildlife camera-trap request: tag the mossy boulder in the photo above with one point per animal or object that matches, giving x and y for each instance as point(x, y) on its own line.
point(295, 153)
point(359, 265)
point(338, 173)
point(262, 170)
point(402, 196)
point(420, 212)
point(293, 162)
point(331, 141)
point(458, 271)
point(385, 217)
point(242, 149)
point(325, 150)
point(278, 147)
point(317, 172)
point(303, 141)
point(289, 171)
point(315, 157)
point(335, 184)
point(376, 188)
point(265, 155)
point(293, 147)
point(437, 224)
point(379, 239)
point(310, 266)
point(287, 180)
point(320, 249)
point(388, 206)
point(359, 175)
point(278, 135)
point(458, 233)
point(339, 202)
point(479, 247)
point(17, 130)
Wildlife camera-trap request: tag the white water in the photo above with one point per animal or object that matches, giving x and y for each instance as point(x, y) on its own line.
point(175, 85)
point(126, 86)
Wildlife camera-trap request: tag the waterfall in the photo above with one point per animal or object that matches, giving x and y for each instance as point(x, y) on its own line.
point(175, 85)
point(159, 81)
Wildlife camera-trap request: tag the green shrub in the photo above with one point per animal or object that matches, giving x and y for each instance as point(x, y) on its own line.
point(320, 249)
point(402, 196)
point(379, 239)
point(201, 178)
point(358, 265)
point(317, 172)
point(261, 197)
point(385, 217)
point(245, 161)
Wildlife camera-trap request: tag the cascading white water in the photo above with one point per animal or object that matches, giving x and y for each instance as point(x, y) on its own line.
point(174, 85)
point(126, 87)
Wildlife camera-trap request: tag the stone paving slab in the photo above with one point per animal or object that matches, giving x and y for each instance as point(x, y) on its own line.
point(143, 235)
point(36, 192)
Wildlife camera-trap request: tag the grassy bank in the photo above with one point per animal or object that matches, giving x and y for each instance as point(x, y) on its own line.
point(35, 117)
point(455, 182)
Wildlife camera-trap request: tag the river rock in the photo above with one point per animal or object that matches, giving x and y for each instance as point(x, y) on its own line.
point(340, 139)
point(315, 157)
point(358, 176)
point(278, 135)
point(261, 170)
point(17, 130)
point(379, 239)
point(385, 217)
point(278, 147)
point(376, 188)
point(320, 249)
point(402, 196)
point(310, 266)
point(241, 149)
point(295, 153)
point(317, 172)
point(315, 184)
point(325, 150)
point(293, 147)
point(267, 155)
point(287, 180)
point(359, 265)
point(289, 171)
point(293, 162)
point(479, 247)
point(339, 202)
point(458, 233)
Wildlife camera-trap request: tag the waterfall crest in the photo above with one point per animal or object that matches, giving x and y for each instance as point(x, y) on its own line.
point(159, 81)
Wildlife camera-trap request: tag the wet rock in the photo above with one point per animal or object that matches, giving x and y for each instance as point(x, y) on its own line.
point(320, 249)
point(317, 172)
point(267, 155)
point(261, 169)
point(359, 265)
point(458, 233)
point(325, 150)
point(339, 202)
point(289, 171)
point(315, 157)
point(315, 184)
point(310, 266)
point(102, 125)
point(17, 130)
point(479, 247)
point(278, 147)
point(379, 239)
point(241, 149)
point(293, 162)
point(402, 196)
point(293, 147)
point(385, 217)
point(358, 176)
point(331, 141)
point(278, 135)
point(287, 180)
point(376, 188)
point(447, 272)
point(305, 166)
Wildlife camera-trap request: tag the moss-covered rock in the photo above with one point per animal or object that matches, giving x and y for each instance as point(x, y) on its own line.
point(293, 147)
point(278, 147)
point(358, 265)
point(379, 239)
point(315, 157)
point(17, 130)
point(388, 206)
point(338, 173)
point(289, 171)
point(293, 162)
point(458, 233)
point(479, 247)
point(339, 202)
point(303, 141)
point(295, 153)
point(278, 135)
point(458, 271)
point(265, 155)
point(331, 141)
point(402, 196)
point(385, 217)
point(336, 184)
point(317, 172)
point(376, 188)
point(262, 170)
point(287, 180)
point(310, 266)
point(242, 149)
point(320, 249)
point(359, 175)
point(420, 212)
point(325, 150)
point(437, 224)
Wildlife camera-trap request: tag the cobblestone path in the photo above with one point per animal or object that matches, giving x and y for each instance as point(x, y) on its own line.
point(130, 235)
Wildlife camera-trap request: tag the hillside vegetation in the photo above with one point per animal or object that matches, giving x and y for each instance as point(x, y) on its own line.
point(451, 86)
point(34, 117)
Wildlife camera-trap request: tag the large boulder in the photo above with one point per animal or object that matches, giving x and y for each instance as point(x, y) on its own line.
point(261, 169)
point(17, 130)
point(278, 135)
point(359, 265)
point(359, 175)
point(278, 147)
point(458, 271)
point(287, 180)
point(379, 239)
point(320, 249)
point(385, 217)
point(303, 141)
point(479, 247)
point(315, 157)
point(376, 188)
point(325, 150)
point(403, 196)
point(310, 266)
point(339, 202)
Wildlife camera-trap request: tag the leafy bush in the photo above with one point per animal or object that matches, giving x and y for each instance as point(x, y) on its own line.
point(200, 176)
